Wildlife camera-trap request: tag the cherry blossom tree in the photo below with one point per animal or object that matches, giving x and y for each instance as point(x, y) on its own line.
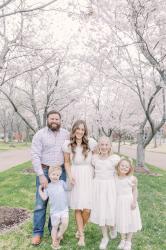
point(123, 52)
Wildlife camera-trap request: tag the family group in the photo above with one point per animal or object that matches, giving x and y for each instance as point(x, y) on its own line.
point(76, 172)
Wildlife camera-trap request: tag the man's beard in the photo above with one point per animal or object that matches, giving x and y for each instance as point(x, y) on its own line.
point(54, 128)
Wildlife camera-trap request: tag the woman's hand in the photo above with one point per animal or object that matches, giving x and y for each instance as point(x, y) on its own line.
point(133, 205)
point(72, 180)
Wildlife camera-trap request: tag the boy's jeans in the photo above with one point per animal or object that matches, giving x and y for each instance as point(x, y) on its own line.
point(39, 217)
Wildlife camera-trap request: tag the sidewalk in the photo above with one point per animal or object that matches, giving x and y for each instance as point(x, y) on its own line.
point(153, 158)
point(12, 158)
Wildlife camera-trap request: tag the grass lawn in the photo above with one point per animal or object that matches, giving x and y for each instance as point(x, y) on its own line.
point(14, 145)
point(17, 190)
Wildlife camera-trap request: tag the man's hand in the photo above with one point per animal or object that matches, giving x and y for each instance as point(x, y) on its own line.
point(40, 188)
point(43, 181)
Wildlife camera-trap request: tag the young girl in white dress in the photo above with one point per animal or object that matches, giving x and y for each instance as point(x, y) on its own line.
point(78, 157)
point(128, 219)
point(104, 190)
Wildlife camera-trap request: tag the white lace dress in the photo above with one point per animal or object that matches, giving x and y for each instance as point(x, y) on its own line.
point(104, 190)
point(127, 220)
point(80, 196)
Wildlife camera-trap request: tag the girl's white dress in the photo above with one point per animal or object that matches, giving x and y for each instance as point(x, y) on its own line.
point(104, 190)
point(127, 220)
point(80, 196)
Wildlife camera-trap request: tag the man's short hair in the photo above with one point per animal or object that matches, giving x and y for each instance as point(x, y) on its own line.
point(53, 112)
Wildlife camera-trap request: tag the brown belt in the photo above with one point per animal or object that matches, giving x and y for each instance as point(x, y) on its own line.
point(45, 166)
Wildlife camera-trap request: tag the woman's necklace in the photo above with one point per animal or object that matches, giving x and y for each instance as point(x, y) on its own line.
point(79, 142)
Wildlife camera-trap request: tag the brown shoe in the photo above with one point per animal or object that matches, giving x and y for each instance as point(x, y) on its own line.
point(36, 240)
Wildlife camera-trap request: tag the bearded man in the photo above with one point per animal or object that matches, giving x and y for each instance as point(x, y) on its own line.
point(46, 151)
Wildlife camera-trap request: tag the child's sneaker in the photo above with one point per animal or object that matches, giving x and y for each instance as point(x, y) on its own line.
point(103, 243)
point(122, 244)
point(113, 234)
point(127, 245)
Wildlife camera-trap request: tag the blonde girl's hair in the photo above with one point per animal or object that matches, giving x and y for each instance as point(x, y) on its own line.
point(130, 161)
point(104, 138)
point(84, 142)
point(54, 169)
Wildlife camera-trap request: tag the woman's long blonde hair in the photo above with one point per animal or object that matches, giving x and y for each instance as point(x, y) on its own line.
point(84, 142)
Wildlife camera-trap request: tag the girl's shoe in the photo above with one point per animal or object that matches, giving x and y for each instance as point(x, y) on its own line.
point(77, 235)
point(113, 234)
point(122, 244)
point(127, 245)
point(56, 246)
point(81, 242)
point(103, 243)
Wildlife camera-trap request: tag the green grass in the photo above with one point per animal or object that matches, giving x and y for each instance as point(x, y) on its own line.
point(13, 145)
point(18, 190)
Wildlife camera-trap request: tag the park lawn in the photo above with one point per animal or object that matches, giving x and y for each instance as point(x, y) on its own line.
point(13, 145)
point(17, 189)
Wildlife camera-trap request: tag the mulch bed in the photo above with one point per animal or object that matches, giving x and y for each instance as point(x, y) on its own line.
point(28, 171)
point(12, 217)
point(146, 171)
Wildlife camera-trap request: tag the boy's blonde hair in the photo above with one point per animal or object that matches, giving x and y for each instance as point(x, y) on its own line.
point(130, 161)
point(54, 169)
point(104, 138)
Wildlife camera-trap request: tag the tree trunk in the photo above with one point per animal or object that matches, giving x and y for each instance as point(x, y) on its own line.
point(140, 150)
point(11, 132)
point(10, 135)
point(99, 132)
point(27, 139)
point(119, 142)
point(44, 117)
point(5, 139)
point(155, 141)
point(160, 137)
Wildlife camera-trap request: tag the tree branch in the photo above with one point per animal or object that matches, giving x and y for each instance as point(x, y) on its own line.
point(17, 111)
point(28, 10)
point(5, 4)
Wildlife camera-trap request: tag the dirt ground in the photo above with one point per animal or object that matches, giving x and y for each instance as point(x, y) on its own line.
point(12, 217)
point(29, 171)
point(146, 171)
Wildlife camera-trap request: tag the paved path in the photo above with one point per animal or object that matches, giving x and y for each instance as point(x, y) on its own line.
point(156, 159)
point(11, 158)
point(14, 157)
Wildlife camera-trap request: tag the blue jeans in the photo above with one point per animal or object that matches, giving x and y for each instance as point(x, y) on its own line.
point(39, 217)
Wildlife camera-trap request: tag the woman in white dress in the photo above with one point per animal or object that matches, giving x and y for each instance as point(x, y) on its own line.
point(104, 190)
point(78, 156)
point(128, 220)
